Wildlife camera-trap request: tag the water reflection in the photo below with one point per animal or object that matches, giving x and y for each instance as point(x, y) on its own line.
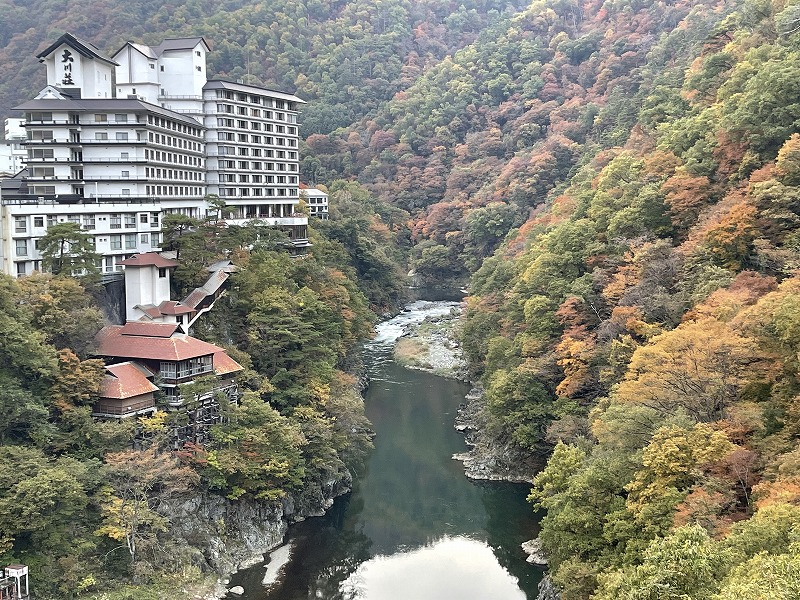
point(414, 527)
point(449, 568)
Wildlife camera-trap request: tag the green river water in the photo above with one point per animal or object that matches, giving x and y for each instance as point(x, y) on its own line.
point(414, 527)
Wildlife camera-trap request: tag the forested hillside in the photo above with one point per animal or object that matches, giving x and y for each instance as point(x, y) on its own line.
point(643, 319)
point(345, 58)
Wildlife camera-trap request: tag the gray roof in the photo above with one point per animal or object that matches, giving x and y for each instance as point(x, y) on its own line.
point(179, 44)
point(81, 46)
point(146, 50)
point(92, 104)
point(217, 84)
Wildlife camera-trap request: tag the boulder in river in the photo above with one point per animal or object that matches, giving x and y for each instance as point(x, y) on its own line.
point(533, 548)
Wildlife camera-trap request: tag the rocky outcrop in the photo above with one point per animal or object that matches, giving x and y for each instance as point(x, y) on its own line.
point(225, 536)
point(488, 457)
point(533, 548)
point(547, 590)
point(229, 535)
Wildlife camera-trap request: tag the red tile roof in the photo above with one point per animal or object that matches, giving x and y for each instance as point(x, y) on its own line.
point(111, 342)
point(173, 307)
point(151, 310)
point(148, 259)
point(145, 328)
point(126, 380)
point(224, 364)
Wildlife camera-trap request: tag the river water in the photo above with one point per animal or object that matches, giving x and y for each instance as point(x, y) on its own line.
point(414, 527)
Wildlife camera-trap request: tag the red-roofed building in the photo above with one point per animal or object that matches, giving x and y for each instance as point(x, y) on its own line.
point(126, 391)
point(154, 346)
point(176, 358)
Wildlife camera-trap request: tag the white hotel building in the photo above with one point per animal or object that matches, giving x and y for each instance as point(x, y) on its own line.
point(114, 143)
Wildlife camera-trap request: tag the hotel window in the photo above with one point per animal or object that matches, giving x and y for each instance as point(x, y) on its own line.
point(144, 219)
point(21, 247)
point(116, 242)
point(122, 118)
point(130, 220)
point(116, 221)
point(100, 135)
point(130, 241)
point(122, 136)
point(125, 174)
point(20, 224)
point(126, 191)
point(41, 135)
point(38, 221)
point(51, 220)
point(100, 118)
point(88, 222)
point(154, 239)
point(168, 370)
point(144, 238)
point(21, 268)
point(42, 153)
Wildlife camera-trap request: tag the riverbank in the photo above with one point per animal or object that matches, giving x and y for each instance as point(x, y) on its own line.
point(433, 346)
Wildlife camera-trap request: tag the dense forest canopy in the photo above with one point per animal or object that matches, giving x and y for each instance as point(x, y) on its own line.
point(618, 180)
point(345, 58)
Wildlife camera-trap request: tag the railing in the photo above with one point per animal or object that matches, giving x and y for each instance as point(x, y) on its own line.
point(179, 97)
point(53, 141)
point(50, 200)
point(47, 161)
point(37, 122)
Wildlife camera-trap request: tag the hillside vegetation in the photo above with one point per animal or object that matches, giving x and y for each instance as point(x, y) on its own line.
point(345, 58)
point(644, 318)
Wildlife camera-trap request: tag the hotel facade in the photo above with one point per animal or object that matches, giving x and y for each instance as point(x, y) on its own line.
point(114, 143)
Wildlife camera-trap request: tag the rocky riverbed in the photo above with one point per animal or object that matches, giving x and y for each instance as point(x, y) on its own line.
point(432, 346)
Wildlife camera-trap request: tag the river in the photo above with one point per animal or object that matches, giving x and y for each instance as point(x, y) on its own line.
point(414, 527)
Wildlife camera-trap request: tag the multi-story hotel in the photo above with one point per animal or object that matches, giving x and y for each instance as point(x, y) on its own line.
point(114, 143)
